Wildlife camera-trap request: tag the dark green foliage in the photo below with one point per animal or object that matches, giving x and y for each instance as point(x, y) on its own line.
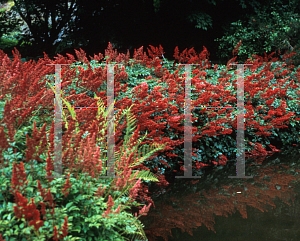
point(270, 28)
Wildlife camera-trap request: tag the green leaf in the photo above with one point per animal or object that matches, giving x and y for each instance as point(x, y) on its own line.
point(79, 197)
point(74, 208)
point(77, 229)
point(69, 204)
point(29, 189)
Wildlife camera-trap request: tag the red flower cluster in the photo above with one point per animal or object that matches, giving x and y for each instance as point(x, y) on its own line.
point(64, 230)
point(29, 210)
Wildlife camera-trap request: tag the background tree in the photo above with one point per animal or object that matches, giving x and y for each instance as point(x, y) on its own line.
point(272, 26)
point(9, 24)
point(45, 20)
point(53, 26)
point(60, 26)
point(202, 19)
point(130, 23)
point(257, 36)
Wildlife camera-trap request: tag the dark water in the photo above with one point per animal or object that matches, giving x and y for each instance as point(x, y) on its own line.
point(215, 207)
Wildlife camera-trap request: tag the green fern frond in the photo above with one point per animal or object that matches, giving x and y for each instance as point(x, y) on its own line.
point(141, 235)
point(130, 129)
point(147, 176)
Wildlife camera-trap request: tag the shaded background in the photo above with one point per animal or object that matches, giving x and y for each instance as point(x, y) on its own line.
point(129, 24)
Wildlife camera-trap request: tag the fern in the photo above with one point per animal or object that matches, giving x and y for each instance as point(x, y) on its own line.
point(130, 129)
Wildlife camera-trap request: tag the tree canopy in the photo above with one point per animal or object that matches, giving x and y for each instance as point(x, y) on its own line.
point(53, 26)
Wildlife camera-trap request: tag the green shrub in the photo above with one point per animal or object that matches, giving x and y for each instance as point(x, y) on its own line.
point(271, 29)
point(83, 209)
point(8, 42)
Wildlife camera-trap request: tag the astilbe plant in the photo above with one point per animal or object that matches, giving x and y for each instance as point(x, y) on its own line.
point(215, 127)
point(160, 106)
point(125, 183)
point(92, 81)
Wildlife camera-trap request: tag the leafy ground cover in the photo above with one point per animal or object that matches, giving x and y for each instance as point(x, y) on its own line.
point(147, 86)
